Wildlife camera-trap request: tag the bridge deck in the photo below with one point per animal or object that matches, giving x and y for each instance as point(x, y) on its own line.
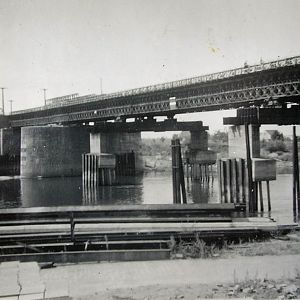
point(229, 89)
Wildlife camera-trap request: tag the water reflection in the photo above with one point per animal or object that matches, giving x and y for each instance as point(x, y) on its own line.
point(202, 192)
point(148, 189)
point(51, 192)
point(10, 192)
point(128, 191)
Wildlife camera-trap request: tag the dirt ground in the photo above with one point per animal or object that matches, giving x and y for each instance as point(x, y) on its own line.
point(255, 288)
point(260, 289)
point(256, 270)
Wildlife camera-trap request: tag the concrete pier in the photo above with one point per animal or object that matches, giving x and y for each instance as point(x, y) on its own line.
point(199, 140)
point(237, 141)
point(10, 144)
point(198, 157)
point(50, 151)
point(10, 141)
point(118, 143)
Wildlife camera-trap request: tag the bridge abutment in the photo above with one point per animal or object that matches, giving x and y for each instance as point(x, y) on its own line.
point(52, 151)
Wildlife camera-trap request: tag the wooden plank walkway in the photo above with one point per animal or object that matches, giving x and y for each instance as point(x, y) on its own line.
point(165, 209)
point(63, 234)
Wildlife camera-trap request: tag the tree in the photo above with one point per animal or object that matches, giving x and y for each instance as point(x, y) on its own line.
point(277, 136)
point(220, 136)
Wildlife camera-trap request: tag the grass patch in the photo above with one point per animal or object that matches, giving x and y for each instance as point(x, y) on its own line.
point(255, 246)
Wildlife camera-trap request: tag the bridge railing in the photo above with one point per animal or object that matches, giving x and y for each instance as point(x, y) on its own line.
point(263, 66)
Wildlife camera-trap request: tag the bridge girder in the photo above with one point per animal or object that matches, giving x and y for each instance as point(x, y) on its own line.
point(255, 88)
point(149, 125)
point(264, 116)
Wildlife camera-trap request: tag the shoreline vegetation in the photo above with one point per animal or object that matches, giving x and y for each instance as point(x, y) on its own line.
point(157, 151)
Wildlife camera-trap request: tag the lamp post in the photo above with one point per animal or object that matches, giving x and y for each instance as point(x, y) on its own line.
point(44, 96)
point(11, 101)
point(3, 88)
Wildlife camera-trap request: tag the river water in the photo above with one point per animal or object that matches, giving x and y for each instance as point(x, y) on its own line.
point(150, 188)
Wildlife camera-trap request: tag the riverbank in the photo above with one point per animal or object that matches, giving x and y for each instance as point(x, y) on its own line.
point(180, 279)
point(162, 164)
point(269, 270)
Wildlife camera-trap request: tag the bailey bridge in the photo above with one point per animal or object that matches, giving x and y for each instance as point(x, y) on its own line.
point(251, 85)
point(268, 93)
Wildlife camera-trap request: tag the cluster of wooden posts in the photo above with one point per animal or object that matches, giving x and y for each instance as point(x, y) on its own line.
point(93, 173)
point(235, 187)
point(199, 171)
point(102, 169)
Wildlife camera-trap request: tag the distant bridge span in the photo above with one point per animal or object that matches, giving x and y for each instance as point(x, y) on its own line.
point(274, 82)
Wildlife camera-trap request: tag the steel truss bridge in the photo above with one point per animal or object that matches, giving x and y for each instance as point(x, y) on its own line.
point(266, 84)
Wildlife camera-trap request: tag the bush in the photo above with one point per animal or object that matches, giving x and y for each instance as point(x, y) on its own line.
point(275, 146)
point(286, 157)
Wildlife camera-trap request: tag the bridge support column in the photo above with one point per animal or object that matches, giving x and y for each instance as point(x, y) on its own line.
point(237, 141)
point(199, 140)
point(118, 143)
point(198, 156)
point(10, 144)
point(52, 151)
point(10, 141)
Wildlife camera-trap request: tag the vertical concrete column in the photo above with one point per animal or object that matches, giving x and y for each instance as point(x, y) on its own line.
point(199, 140)
point(237, 141)
point(51, 151)
point(198, 152)
point(10, 141)
point(95, 143)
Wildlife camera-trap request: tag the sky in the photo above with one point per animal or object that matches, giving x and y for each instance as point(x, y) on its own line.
point(69, 46)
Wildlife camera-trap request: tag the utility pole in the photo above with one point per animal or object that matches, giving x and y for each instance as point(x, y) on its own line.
point(11, 101)
point(44, 96)
point(3, 88)
point(100, 86)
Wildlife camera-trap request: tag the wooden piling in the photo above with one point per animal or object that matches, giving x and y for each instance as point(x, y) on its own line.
point(174, 181)
point(177, 173)
point(249, 172)
point(233, 183)
point(228, 181)
point(296, 170)
point(234, 188)
point(178, 182)
point(261, 196)
point(295, 162)
point(87, 170)
point(225, 179)
point(221, 192)
point(268, 195)
point(94, 173)
point(242, 180)
point(181, 175)
point(255, 197)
